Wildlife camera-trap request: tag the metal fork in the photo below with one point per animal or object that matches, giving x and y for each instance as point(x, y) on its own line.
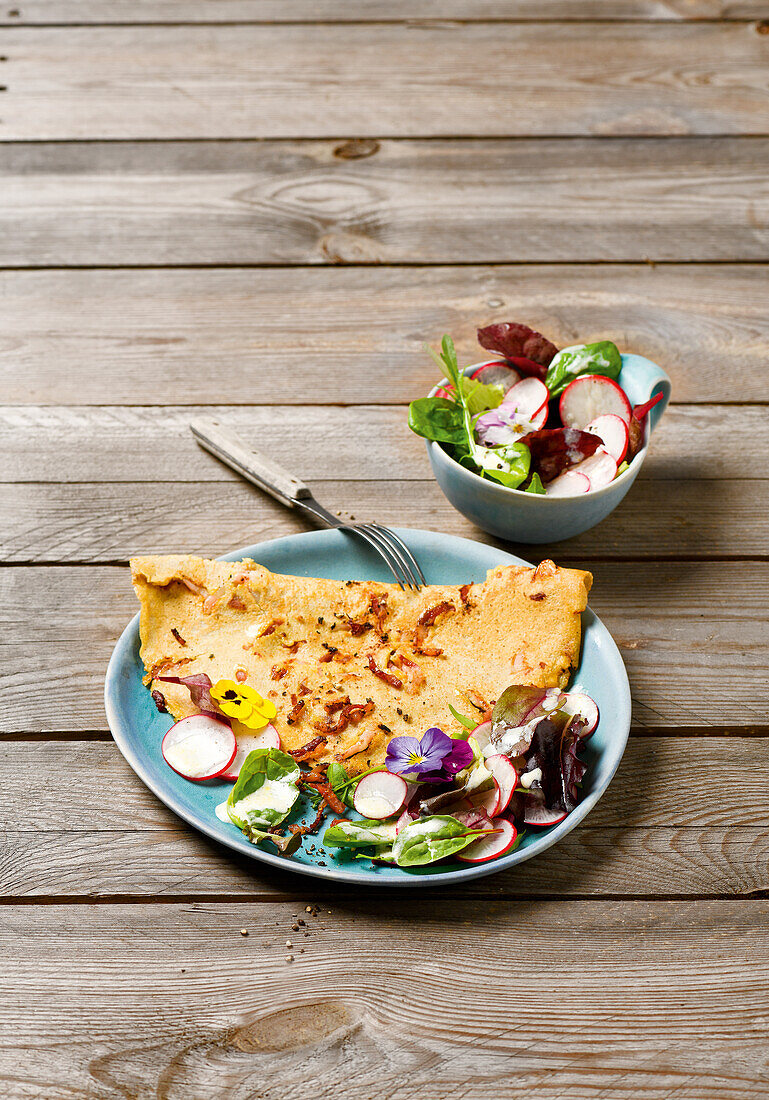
point(286, 488)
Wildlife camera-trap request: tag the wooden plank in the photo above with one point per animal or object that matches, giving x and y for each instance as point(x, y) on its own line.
point(349, 336)
point(663, 782)
point(82, 443)
point(177, 862)
point(79, 12)
point(77, 845)
point(259, 81)
point(362, 202)
point(147, 1000)
point(87, 522)
point(704, 620)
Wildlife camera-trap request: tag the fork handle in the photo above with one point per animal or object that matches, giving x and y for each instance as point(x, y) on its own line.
point(235, 453)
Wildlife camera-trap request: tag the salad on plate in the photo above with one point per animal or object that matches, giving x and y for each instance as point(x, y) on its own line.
point(467, 793)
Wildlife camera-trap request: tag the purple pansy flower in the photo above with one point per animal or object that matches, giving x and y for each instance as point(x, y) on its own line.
point(435, 758)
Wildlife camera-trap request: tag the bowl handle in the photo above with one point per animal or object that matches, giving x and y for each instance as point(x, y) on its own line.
point(656, 381)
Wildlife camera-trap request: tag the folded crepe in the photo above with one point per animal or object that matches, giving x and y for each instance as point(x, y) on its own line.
point(351, 664)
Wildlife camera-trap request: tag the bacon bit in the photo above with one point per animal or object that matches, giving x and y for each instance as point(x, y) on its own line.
point(415, 678)
point(479, 702)
point(464, 594)
point(330, 651)
point(293, 647)
point(308, 749)
point(303, 689)
point(159, 699)
point(270, 628)
point(178, 636)
point(388, 677)
point(343, 658)
point(308, 830)
point(196, 589)
point(538, 596)
point(350, 713)
point(426, 619)
point(236, 603)
point(546, 568)
point(325, 790)
point(362, 743)
point(378, 608)
point(211, 601)
point(167, 663)
point(296, 710)
point(278, 672)
point(240, 675)
point(338, 704)
point(356, 629)
point(316, 774)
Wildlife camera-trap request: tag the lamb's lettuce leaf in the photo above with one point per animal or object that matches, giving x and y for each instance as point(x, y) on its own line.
point(266, 789)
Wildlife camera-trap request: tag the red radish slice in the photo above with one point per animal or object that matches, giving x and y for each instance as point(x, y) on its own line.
point(591, 396)
point(486, 800)
point(266, 739)
point(613, 430)
point(380, 795)
point(492, 846)
point(444, 391)
point(600, 469)
point(482, 734)
point(528, 397)
point(405, 819)
point(199, 747)
point(536, 814)
point(506, 778)
point(495, 374)
point(578, 703)
point(572, 483)
point(640, 411)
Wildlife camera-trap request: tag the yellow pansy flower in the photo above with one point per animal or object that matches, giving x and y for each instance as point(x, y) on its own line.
point(243, 703)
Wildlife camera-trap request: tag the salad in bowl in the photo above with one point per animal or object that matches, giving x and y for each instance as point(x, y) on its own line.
point(570, 424)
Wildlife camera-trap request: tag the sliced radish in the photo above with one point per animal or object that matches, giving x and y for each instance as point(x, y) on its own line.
point(528, 397)
point(380, 795)
point(572, 483)
point(405, 819)
point(600, 469)
point(576, 702)
point(199, 747)
point(591, 396)
point(537, 814)
point(482, 734)
point(613, 430)
point(492, 846)
point(266, 739)
point(495, 374)
point(486, 800)
point(506, 778)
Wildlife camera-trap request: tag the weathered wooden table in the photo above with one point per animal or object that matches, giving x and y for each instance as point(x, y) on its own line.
point(221, 203)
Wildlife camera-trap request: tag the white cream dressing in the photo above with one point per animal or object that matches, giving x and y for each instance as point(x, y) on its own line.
point(533, 776)
point(272, 795)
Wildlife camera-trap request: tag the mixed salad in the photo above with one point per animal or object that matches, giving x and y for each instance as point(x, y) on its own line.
point(466, 793)
point(540, 420)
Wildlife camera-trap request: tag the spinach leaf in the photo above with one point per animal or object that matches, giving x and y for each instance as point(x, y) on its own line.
point(367, 833)
point(339, 781)
point(431, 839)
point(535, 485)
point(438, 419)
point(266, 789)
point(600, 358)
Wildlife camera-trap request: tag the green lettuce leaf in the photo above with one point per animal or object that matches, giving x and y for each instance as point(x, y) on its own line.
point(600, 358)
point(535, 485)
point(367, 833)
point(266, 790)
point(431, 839)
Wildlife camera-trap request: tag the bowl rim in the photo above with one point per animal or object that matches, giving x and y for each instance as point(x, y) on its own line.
point(633, 468)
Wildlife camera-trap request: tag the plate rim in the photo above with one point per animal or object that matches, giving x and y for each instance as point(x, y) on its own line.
point(123, 650)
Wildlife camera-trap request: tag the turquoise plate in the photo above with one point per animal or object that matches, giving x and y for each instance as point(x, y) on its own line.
point(138, 728)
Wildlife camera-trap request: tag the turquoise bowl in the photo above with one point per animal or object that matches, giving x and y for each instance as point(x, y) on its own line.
point(524, 517)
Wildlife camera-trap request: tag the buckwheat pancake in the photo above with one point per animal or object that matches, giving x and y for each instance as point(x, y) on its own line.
point(356, 662)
